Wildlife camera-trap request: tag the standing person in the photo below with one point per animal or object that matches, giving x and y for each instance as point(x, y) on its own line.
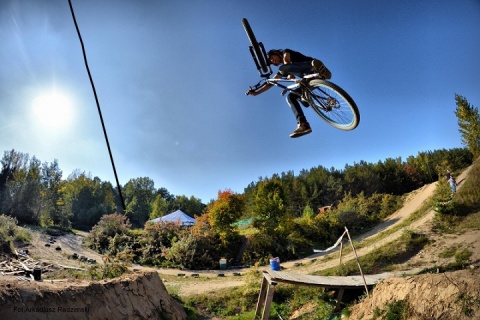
point(291, 64)
point(453, 184)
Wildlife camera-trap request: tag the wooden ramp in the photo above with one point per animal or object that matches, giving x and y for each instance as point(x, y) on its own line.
point(271, 278)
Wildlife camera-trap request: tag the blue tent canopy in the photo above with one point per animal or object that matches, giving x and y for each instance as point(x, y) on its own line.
point(176, 217)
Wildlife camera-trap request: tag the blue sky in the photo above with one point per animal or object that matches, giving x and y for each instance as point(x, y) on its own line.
point(171, 78)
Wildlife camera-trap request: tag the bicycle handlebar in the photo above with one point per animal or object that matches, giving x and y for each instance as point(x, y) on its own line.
point(276, 82)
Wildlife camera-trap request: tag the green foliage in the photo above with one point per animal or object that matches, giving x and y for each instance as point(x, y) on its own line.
point(193, 206)
point(182, 252)
point(88, 199)
point(396, 310)
point(308, 213)
point(159, 207)
point(468, 303)
point(443, 197)
point(9, 232)
point(469, 124)
point(157, 236)
point(111, 268)
point(360, 213)
point(462, 257)
point(381, 259)
point(225, 211)
point(225, 304)
point(293, 298)
point(467, 199)
point(139, 195)
point(106, 229)
point(269, 206)
point(169, 245)
point(453, 210)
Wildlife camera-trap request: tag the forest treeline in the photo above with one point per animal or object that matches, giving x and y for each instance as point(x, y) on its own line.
point(36, 193)
point(285, 207)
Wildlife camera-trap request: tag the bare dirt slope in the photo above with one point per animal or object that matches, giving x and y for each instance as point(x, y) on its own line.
point(42, 248)
point(133, 296)
point(450, 295)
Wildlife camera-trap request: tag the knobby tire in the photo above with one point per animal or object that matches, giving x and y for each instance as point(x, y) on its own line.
point(333, 104)
point(256, 47)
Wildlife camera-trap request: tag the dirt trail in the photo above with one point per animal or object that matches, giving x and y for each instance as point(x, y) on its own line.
point(68, 244)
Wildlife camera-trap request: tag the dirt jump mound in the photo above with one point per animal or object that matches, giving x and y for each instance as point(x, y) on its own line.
point(132, 296)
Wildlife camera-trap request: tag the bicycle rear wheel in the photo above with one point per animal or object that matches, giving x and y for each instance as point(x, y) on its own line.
point(257, 50)
point(333, 105)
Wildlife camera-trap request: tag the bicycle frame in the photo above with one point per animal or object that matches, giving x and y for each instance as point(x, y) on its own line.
point(333, 104)
point(297, 83)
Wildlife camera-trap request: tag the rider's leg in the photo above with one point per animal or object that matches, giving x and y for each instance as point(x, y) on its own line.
point(303, 127)
point(296, 68)
point(292, 100)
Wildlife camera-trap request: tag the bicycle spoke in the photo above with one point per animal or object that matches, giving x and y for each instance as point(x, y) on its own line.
point(333, 105)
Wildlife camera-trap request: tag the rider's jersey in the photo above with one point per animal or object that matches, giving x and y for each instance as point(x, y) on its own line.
point(297, 56)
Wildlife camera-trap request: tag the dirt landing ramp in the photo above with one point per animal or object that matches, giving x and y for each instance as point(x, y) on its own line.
point(133, 296)
point(449, 295)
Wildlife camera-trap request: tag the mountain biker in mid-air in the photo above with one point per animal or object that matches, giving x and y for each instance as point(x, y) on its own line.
point(293, 63)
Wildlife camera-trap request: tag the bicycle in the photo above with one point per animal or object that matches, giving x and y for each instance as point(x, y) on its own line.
point(333, 104)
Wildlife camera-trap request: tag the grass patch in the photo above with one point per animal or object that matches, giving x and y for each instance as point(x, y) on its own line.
point(464, 208)
point(448, 252)
point(396, 310)
point(224, 303)
point(382, 259)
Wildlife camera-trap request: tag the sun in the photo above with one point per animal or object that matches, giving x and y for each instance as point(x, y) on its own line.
point(52, 110)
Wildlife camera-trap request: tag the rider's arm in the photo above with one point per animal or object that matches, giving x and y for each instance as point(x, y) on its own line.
point(263, 88)
point(286, 58)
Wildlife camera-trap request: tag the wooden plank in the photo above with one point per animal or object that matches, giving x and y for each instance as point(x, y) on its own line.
point(261, 297)
point(265, 297)
point(25, 267)
point(326, 281)
point(339, 299)
point(268, 300)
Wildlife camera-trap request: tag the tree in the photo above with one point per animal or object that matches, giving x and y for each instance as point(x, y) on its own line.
point(269, 206)
point(192, 206)
point(469, 123)
point(225, 211)
point(159, 207)
point(87, 199)
point(139, 195)
point(21, 194)
point(53, 199)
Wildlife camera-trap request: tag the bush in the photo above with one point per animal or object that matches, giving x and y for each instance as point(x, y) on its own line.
point(112, 268)
point(107, 228)
point(9, 232)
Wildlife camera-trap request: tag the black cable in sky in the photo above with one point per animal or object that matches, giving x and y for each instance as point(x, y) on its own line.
point(98, 104)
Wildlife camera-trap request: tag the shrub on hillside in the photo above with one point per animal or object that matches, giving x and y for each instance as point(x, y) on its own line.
point(9, 232)
point(106, 229)
point(155, 237)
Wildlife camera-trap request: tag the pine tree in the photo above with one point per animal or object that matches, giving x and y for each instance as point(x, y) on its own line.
point(469, 123)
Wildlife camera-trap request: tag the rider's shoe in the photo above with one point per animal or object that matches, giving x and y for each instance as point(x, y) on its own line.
point(320, 68)
point(303, 128)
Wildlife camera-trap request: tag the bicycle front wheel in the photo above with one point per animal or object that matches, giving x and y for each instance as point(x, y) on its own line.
point(333, 105)
point(258, 51)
